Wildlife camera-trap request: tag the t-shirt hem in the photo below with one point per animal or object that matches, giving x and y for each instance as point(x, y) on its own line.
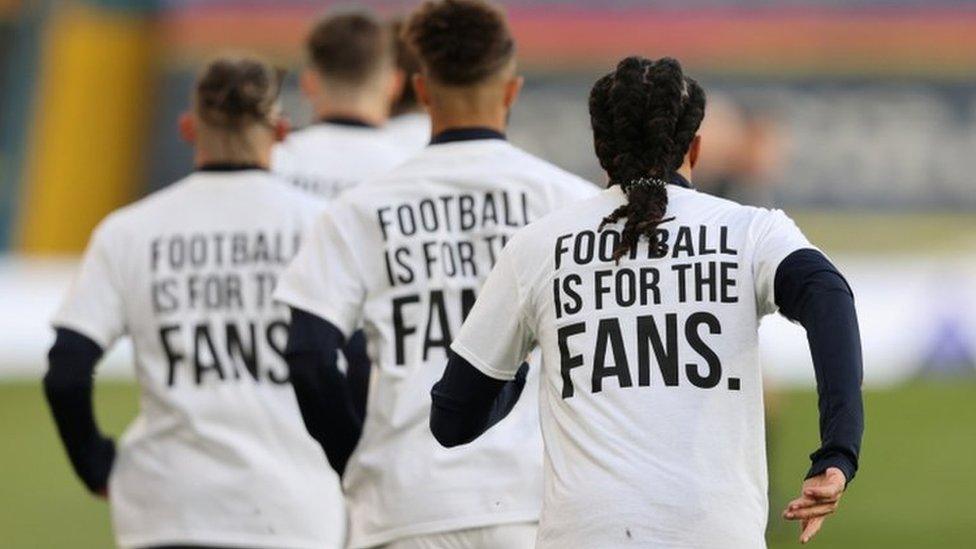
point(437, 527)
point(82, 328)
point(220, 540)
point(322, 311)
point(482, 366)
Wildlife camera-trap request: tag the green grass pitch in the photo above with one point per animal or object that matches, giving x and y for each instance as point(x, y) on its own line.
point(916, 487)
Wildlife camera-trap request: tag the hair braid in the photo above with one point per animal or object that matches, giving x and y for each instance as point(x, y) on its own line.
point(690, 119)
point(644, 116)
point(601, 121)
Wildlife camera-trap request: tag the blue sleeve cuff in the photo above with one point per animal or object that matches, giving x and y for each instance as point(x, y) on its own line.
point(826, 460)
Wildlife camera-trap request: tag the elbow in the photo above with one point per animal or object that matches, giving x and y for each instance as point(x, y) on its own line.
point(446, 441)
point(446, 432)
point(442, 434)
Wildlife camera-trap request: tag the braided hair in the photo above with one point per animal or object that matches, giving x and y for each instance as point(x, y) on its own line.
point(644, 115)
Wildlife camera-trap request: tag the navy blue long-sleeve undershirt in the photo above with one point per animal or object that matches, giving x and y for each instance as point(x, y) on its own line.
point(484, 401)
point(808, 289)
point(324, 396)
point(68, 388)
point(311, 356)
point(358, 367)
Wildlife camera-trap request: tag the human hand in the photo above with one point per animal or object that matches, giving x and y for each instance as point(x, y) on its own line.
point(818, 499)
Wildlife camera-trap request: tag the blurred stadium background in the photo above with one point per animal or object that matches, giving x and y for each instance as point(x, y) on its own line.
point(858, 117)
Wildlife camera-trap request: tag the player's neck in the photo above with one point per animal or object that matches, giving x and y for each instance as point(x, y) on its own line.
point(366, 110)
point(202, 159)
point(441, 121)
point(685, 171)
point(412, 111)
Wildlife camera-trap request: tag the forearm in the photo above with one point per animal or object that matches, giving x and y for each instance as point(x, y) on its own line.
point(68, 388)
point(358, 371)
point(832, 332)
point(465, 402)
point(321, 391)
point(815, 294)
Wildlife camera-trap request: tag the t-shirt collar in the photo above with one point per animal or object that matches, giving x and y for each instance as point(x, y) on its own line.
point(350, 121)
point(466, 134)
point(679, 180)
point(229, 167)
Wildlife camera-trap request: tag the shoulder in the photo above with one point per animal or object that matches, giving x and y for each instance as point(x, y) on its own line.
point(707, 204)
point(407, 168)
point(130, 216)
point(758, 226)
point(566, 185)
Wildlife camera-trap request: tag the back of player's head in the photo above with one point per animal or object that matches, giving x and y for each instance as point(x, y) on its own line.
point(350, 48)
point(460, 42)
point(645, 115)
point(235, 93)
point(408, 64)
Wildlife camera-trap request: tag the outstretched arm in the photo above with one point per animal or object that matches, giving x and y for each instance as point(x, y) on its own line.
point(323, 394)
point(466, 402)
point(68, 388)
point(811, 291)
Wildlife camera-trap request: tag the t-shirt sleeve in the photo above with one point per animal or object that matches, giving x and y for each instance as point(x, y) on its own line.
point(777, 236)
point(94, 306)
point(495, 337)
point(324, 278)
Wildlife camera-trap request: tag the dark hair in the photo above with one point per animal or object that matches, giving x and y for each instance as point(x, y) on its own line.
point(645, 115)
point(460, 42)
point(349, 46)
point(232, 93)
point(406, 61)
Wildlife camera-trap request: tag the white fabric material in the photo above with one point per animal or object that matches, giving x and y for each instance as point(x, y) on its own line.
point(409, 132)
point(326, 158)
point(651, 401)
point(506, 536)
point(217, 455)
point(404, 256)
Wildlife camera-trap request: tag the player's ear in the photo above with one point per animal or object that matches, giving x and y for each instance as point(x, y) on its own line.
point(188, 127)
point(694, 150)
point(281, 128)
point(309, 83)
point(512, 89)
point(399, 82)
point(420, 88)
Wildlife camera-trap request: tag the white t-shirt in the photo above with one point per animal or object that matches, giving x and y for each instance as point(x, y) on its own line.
point(409, 132)
point(405, 255)
point(218, 454)
point(651, 399)
point(327, 158)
